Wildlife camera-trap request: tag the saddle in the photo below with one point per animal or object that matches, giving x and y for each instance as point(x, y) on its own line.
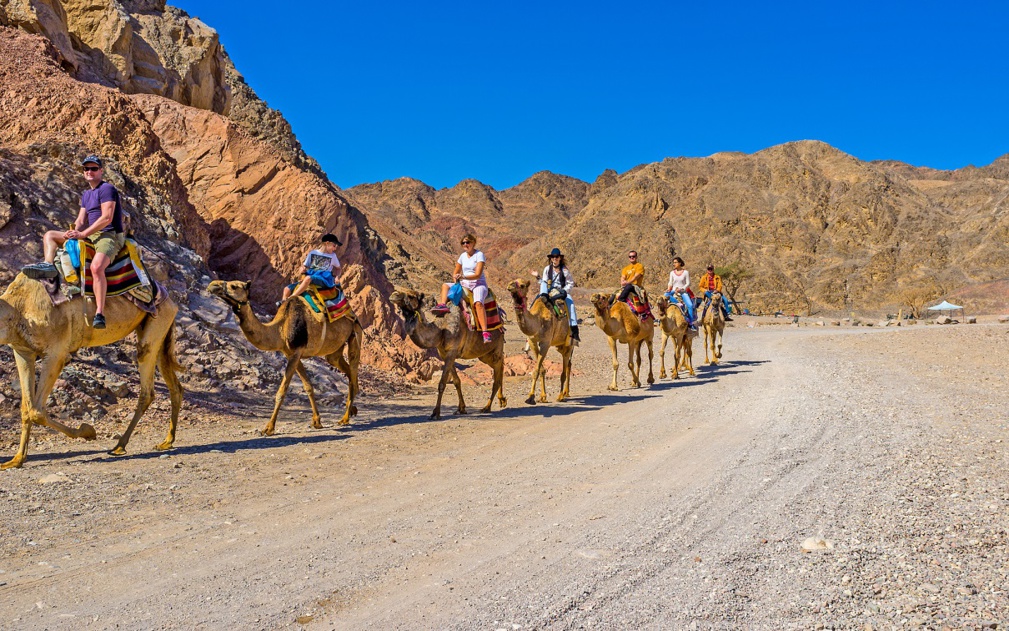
point(557, 304)
point(333, 302)
point(494, 319)
point(125, 274)
point(678, 303)
point(637, 300)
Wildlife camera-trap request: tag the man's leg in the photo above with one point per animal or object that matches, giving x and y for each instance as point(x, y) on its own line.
point(51, 242)
point(623, 292)
point(99, 283)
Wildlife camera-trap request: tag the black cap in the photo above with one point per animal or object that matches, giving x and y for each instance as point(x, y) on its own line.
point(555, 252)
point(92, 158)
point(329, 237)
point(711, 268)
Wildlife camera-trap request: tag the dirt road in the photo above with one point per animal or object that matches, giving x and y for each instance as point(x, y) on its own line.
point(686, 504)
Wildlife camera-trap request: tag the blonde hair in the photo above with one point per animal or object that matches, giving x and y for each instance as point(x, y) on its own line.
point(469, 236)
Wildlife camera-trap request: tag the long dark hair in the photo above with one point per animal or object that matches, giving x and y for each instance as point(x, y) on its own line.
point(560, 267)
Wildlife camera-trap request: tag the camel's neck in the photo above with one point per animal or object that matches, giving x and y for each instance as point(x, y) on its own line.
point(8, 330)
point(423, 333)
point(265, 337)
point(606, 321)
point(529, 323)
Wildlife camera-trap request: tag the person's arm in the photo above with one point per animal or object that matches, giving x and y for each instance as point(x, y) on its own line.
point(477, 273)
point(108, 210)
point(79, 223)
point(669, 287)
point(637, 277)
point(569, 280)
point(457, 272)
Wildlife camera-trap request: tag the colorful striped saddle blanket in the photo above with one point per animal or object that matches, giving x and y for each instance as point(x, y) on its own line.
point(639, 305)
point(331, 301)
point(126, 272)
point(494, 320)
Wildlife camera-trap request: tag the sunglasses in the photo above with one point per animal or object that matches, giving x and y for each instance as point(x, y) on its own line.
point(90, 169)
point(555, 256)
point(633, 256)
point(466, 242)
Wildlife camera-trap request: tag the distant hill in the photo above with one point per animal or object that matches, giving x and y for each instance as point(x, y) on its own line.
point(816, 227)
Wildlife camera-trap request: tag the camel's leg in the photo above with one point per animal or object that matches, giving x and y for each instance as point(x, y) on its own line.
point(147, 361)
point(310, 391)
point(537, 359)
point(446, 372)
point(167, 365)
point(688, 354)
point(707, 360)
point(718, 353)
point(566, 352)
point(662, 356)
point(651, 376)
point(26, 375)
point(457, 382)
point(350, 370)
point(634, 348)
point(353, 365)
point(543, 347)
point(678, 353)
point(497, 363)
point(292, 366)
point(616, 362)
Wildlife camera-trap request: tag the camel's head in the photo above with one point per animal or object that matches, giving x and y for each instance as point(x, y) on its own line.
point(408, 301)
point(233, 292)
point(518, 289)
point(601, 302)
point(662, 303)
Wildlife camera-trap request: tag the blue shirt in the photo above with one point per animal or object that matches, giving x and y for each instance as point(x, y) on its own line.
point(92, 200)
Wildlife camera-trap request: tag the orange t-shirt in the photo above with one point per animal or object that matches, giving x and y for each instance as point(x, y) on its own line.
point(633, 270)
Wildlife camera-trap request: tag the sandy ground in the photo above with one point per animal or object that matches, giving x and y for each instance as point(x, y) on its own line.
point(820, 477)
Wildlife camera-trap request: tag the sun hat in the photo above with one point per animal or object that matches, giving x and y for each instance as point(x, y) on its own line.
point(555, 252)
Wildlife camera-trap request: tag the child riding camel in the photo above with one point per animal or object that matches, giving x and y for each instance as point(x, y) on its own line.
point(321, 268)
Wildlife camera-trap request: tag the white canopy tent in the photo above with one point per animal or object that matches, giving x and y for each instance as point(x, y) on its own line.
point(948, 307)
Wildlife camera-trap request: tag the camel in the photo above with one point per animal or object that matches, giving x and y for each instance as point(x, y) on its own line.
point(36, 329)
point(713, 323)
point(544, 330)
point(297, 333)
point(674, 325)
point(620, 324)
point(453, 340)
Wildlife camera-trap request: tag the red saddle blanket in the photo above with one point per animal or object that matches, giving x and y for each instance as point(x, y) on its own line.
point(494, 319)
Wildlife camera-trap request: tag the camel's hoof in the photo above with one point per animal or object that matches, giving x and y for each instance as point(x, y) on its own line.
point(662, 375)
point(265, 432)
point(542, 399)
point(561, 398)
point(165, 446)
point(612, 388)
point(118, 451)
point(651, 380)
point(87, 432)
point(434, 417)
point(504, 403)
point(353, 410)
point(13, 463)
point(531, 400)
point(485, 408)
point(342, 421)
point(462, 411)
point(317, 424)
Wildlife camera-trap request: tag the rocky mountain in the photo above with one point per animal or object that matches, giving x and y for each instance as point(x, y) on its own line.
point(816, 228)
point(200, 160)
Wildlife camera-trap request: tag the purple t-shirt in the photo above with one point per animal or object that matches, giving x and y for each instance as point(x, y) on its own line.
point(92, 200)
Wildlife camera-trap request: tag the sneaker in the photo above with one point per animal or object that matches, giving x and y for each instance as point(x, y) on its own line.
point(38, 271)
point(98, 322)
point(487, 337)
point(440, 309)
point(728, 318)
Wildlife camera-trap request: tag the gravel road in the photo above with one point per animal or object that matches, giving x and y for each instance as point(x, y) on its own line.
point(818, 478)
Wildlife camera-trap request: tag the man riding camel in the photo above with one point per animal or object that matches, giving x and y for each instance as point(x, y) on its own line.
point(100, 220)
point(631, 277)
point(711, 283)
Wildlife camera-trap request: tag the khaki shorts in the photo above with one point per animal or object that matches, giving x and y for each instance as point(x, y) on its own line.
point(108, 243)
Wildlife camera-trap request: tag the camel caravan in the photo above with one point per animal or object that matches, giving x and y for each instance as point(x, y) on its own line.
point(93, 289)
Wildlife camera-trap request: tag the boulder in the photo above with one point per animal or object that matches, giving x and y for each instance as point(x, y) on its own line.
point(971, 320)
point(943, 320)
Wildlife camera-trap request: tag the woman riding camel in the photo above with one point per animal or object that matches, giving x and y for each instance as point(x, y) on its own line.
point(712, 282)
point(468, 272)
point(558, 279)
point(679, 283)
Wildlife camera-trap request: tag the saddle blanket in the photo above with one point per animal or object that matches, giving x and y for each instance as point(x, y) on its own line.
point(332, 301)
point(147, 299)
point(126, 272)
point(494, 320)
point(640, 307)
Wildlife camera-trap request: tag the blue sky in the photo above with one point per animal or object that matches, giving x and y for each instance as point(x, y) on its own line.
point(444, 91)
